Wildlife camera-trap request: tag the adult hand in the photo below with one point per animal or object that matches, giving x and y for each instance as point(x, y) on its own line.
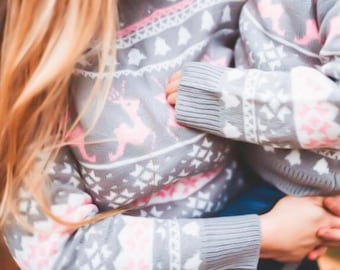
point(289, 230)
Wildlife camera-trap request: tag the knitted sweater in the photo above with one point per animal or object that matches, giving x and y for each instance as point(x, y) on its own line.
point(283, 97)
point(138, 157)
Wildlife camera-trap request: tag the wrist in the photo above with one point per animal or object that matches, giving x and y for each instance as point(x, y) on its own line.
point(267, 237)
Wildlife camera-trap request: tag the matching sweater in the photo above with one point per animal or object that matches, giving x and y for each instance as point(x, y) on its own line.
point(282, 98)
point(176, 178)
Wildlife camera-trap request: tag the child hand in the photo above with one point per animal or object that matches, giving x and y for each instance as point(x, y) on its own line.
point(332, 204)
point(330, 235)
point(171, 88)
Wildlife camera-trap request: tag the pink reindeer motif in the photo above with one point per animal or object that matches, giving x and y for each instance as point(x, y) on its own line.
point(312, 33)
point(268, 9)
point(125, 134)
point(76, 138)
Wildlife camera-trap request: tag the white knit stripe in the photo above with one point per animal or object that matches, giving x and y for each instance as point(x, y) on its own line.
point(329, 153)
point(165, 65)
point(277, 38)
point(249, 108)
point(167, 22)
point(174, 246)
point(330, 53)
point(163, 151)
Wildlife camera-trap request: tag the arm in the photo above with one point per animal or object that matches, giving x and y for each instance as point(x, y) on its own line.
point(126, 242)
point(294, 109)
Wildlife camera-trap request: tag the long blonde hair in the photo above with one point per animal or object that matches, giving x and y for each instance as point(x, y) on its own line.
point(42, 41)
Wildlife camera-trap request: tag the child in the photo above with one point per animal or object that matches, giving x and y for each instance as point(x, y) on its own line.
point(282, 98)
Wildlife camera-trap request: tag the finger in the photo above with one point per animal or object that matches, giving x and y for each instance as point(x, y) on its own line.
point(332, 204)
point(176, 76)
point(317, 252)
point(335, 223)
point(172, 98)
point(331, 221)
point(329, 234)
point(330, 244)
point(171, 87)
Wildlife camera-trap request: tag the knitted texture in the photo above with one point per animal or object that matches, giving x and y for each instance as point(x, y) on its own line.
point(282, 96)
point(139, 156)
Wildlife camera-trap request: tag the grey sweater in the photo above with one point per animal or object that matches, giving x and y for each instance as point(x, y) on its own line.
point(282, 98)
point(176, 178)
point(137, 156)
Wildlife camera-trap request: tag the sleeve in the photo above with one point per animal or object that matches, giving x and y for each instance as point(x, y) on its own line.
point(291, 109)
point(123, 241)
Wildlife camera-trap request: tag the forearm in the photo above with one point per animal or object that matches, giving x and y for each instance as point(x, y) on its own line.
point(124, 242)
point(266, 108)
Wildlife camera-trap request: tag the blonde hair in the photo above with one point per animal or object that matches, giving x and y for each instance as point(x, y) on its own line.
point(42, 41)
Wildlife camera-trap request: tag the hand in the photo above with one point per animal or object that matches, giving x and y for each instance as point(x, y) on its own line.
point(172, 87)
point(331, 235)
point(289, 230)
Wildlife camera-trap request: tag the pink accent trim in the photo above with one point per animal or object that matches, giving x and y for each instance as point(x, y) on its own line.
point(43, 248)
point(136, 241)
point(315, 116)
point(179, 190)
point(153, 17)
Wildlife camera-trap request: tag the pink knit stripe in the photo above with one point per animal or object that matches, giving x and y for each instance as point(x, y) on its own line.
point(154, 17)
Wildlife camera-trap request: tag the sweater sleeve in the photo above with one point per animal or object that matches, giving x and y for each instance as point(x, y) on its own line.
point(123, 241)
point(292, 109)
point(295, 109)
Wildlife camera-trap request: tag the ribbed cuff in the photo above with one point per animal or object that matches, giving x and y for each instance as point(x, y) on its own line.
point(198, 98)
point(231, 242)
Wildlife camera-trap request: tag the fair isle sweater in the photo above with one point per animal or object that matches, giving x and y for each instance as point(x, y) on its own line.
point(138, 157)
point(282, 97)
